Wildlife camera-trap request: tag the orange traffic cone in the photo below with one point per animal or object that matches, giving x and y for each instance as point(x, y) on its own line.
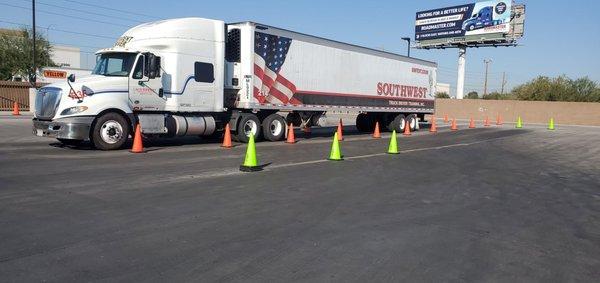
point(453, 127)
point(376, 133)
point(406, 129)
point(340, 130)
point(499, 120)
point(433, 128)
point(227, 137)
point(137, 140)
point(472, 124)
point(446, 118)
point(487, 122)
point(16, 109)
point(290, 136)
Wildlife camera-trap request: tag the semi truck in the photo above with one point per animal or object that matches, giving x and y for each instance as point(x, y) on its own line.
point(193, 76)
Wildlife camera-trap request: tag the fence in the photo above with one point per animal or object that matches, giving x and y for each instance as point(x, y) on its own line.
point(568, 113)
point(15, 91)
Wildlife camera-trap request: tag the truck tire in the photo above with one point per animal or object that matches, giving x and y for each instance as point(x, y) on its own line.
point(70, 142)
point(362, 122)
point(412, 121)
point(293, 118)
point(248, 123)
point(110, 131)
point(274, 127)
point(397, 124)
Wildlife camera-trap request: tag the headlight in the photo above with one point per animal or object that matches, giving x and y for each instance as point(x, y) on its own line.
point(73, 110)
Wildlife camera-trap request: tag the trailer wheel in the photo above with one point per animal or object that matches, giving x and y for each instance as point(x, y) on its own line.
point(412, 121)
point(398, 123)
point(248, 124)
point(110, 131)
point(363, 122)
point(293, 118)
point(273, 127)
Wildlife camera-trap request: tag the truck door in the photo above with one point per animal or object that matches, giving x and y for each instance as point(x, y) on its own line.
point(145, 85)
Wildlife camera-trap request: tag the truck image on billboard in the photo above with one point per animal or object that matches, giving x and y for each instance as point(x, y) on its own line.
point(464, 21)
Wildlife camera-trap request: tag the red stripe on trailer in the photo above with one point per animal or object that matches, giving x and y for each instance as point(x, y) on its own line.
point(310, 92)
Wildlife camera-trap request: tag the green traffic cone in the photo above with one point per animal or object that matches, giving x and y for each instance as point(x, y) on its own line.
point(393, 148)
point(250, 162)
point(551, 124)
point(336, 153)
point(519, 123)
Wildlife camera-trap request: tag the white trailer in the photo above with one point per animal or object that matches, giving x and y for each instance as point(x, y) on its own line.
point(192, 76)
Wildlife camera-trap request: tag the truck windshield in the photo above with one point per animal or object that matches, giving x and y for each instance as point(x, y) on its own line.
point(114, 64)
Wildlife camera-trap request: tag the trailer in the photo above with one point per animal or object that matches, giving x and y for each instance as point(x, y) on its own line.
point(192, 76)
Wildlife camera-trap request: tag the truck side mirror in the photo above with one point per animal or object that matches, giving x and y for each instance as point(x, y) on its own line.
point(152, 66)
point(71, 78)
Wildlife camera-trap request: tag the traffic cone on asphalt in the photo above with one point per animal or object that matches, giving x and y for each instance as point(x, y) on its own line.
point(487, 122)
point(393, 147)
point(137, 147)
point(551, 124)
point(499, 120)
point(519, 123)
point(336, 152)
point(376, 133)
point(16, 109)
point(227, 137)
point(453, 127)
point(250, 161)
point(406, 129)
point(340, 130)
point(433, 128)
point(446, 118)
point(471, 124)
point(290, 136)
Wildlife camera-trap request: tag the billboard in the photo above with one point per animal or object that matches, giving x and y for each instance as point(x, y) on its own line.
point(467, 22)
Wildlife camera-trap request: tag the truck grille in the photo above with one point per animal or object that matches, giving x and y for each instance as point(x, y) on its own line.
point(46, 102)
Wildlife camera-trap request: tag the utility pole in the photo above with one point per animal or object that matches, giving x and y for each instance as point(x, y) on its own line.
point(460, 81)
point(503, 82)
point(487, 63)
point(33, 77)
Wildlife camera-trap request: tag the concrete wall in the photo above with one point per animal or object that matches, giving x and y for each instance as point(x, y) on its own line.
point(568, 113)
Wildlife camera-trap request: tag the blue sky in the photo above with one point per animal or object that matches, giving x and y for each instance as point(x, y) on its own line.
point(561, 37)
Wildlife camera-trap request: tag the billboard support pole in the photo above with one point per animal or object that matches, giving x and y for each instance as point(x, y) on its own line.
point(460, 82)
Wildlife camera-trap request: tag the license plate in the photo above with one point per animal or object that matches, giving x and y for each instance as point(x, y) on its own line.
point(39, 132)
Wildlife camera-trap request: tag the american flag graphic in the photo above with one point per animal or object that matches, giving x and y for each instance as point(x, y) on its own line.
point(269, 55)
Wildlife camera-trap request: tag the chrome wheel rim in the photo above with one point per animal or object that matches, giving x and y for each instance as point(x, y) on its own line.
point(111, 132)
point(276, 128)
point(250, 128)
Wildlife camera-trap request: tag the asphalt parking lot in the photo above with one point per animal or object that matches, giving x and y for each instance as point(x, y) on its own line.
point(485, 204)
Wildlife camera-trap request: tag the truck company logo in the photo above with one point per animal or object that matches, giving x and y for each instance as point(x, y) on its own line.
point(420, 71)
point(269, 55)
point(407, 91)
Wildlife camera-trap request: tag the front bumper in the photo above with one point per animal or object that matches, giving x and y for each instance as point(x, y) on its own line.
point(74, 128)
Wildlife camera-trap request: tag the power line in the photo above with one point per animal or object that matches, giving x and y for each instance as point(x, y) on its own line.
point(111, 9)
point(60, 30)
point(84, 11)
point(62, 15)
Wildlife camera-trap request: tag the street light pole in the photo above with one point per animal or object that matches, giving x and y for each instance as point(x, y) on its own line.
point(408, 42)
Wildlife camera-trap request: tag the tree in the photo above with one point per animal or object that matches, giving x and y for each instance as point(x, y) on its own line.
point(497, 96)
point(16, 53)
point(442, 95)
point(472, 95)
point(561, 88)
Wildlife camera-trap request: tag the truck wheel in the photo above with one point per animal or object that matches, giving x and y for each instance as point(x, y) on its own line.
point(110, 131)
point(293, 118)
point(247, 124)
point(273, 127)
point(70, 142)
point(397, 124)
point(362, 122)
point(412, 121)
